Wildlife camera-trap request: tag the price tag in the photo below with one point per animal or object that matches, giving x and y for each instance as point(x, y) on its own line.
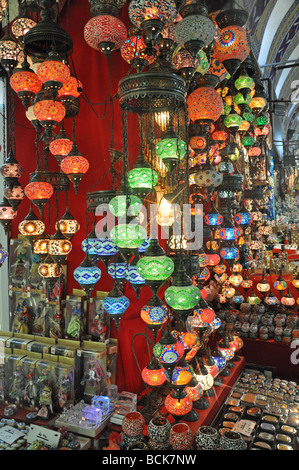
point(244, 427)
point(9, 434)
point(49, 437)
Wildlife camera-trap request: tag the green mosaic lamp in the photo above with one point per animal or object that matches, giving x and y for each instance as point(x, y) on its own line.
point(128, 237)
point(125, 202)
point(142, 178)
point(244, 83)
point(247, 140)
point(248, 115)
point(242, 100)
point(155, 267)
point(171, 149)
point(182, 296)
point(232, 152)
point(261, 121)
point(233, 121)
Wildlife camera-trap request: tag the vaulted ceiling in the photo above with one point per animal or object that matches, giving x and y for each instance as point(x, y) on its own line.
point(273, 27)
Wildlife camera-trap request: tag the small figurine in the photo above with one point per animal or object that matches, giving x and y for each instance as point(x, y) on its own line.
point(30, 390)
point(75, 327)
point(18, 270)
point(99, 327)
point(92, 377)
point(39, 326)
point(21, 319)
point(56, 325)
point(15, 390)
point(45, 401)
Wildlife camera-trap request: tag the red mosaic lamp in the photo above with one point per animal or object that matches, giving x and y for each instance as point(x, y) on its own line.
point(38, 190)
point(61, 145)
point(25, 83)
point(153, 374)
point(48, 112)
point(75, 166)
point(53, 73)
point(7, 214)
point(105, 33)
point(69, 95)
point(134, 51)
point(205, 106)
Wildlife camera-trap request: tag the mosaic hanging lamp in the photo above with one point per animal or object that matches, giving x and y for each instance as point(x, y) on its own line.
point(153, 374)
point(91, 245)
point(195, 31)
point(87, 274)
point(133, 276)
point(47, 111)
point(25, 83)
point(151, 16)
point(171, 149)
point(105, 33)
point(116, 304)
point(59, 247)
point(13, 192)
point(7, 214)
point(68, 225)
point(49, 270)
point(106, 249)
point(169, 351)
point(10, 52)
point(74, 165)
point(38, 190)
point(22, 24)
point(53, 73)
point(142, 178)
point(117, 268)
point(182, 296)
point(232, 46)
point(40, 246)
point(11, 168)
point(154, 266)
point(31, 227)
point(60, 145)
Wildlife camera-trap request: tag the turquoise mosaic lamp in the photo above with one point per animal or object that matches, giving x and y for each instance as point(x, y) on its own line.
point(87, 275)
point(134, 277)
point(116, 304)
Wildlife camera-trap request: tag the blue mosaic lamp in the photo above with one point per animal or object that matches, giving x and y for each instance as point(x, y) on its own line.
point(155, 315)
point(213, 218)
point(106, 248)
point(243, 217)
point(3, 255)
point(142, 248)
point(116, 304)
point(87, 275)
point(117, 268)
point(134, 277)
point(229, 253)
point(92, 245)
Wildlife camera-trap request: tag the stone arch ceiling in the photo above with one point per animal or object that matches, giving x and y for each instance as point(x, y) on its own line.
point(273, 27)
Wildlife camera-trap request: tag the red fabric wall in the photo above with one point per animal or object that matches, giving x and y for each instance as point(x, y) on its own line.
point(93, 140)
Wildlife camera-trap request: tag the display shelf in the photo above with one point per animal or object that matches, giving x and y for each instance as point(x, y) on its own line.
point(21, 414)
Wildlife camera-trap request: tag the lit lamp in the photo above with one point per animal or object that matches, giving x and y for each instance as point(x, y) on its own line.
point(271, 300)
point(210, 364)
point(61, 145)
point(117, 268)
point(151, 16)
point(59, 247)
point(134, 51)
point(74, 165)
point(105, 33)
point(10, 52)
point(21, 25)
point(169, 351)
point(205, 106)
point(38, 190)
point(195, 31)
point(128, 237)
point(49, 270)
point(11, 168)
point(280, 284)
point(87, 274)
point(53, 73)
point(68, 225)
point(47, 111)
point(154, 314)
point(207, 382)
point(106, 249)
point(228, 352)
point(31, 227)
point(178, 404)
point(40, 247)
point(288, 300)
point(182, 296)
point(25, 83)
point(91, 245)
point(220, 361)
point(171, 149)
point(153, 374)
point(155, 267)
point(133, 276)
point(116, 304)
point(125, 204)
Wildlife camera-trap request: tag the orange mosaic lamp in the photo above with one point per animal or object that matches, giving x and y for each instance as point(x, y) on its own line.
point(53, 73)
point(178, 404)
point(31, 227)
point(25, 83)
point(38, 191)
point(61, 145)
point(153, 374)
point(204, 105)
point(232, 47)
point(47, 111)
point(75, 166)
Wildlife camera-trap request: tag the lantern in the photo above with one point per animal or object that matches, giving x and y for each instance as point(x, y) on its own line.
point(87, 274)
point(38, 190)
point(47, 111)
point(53, 73)
point(25, 83)
point(61, 145)
point(142, 178)
point(231, 47)
point(105, 33)
point(74, 166)
point(204, 105)
point(115, 304)
point(68, 225)
point(153, 374)
point(7, 214)
point(31, 227)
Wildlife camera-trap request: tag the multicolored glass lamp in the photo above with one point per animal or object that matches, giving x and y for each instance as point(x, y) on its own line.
point(87, 274)
point(243, 217)
point(7, 214)
point(154, 314)
point(49, 270)
point(178, 404)
point(280, 284)
point(128, 238)
point(53, 73)
point(31, 227)
point(271, 300)
point(169, 351)
point(116, 304)
point(107, 248)
point(68, 225)
point(220, 361)
point(232, 47)
point(48, 112)
point(59, 247)
point(74, 165)
point(154, 374)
